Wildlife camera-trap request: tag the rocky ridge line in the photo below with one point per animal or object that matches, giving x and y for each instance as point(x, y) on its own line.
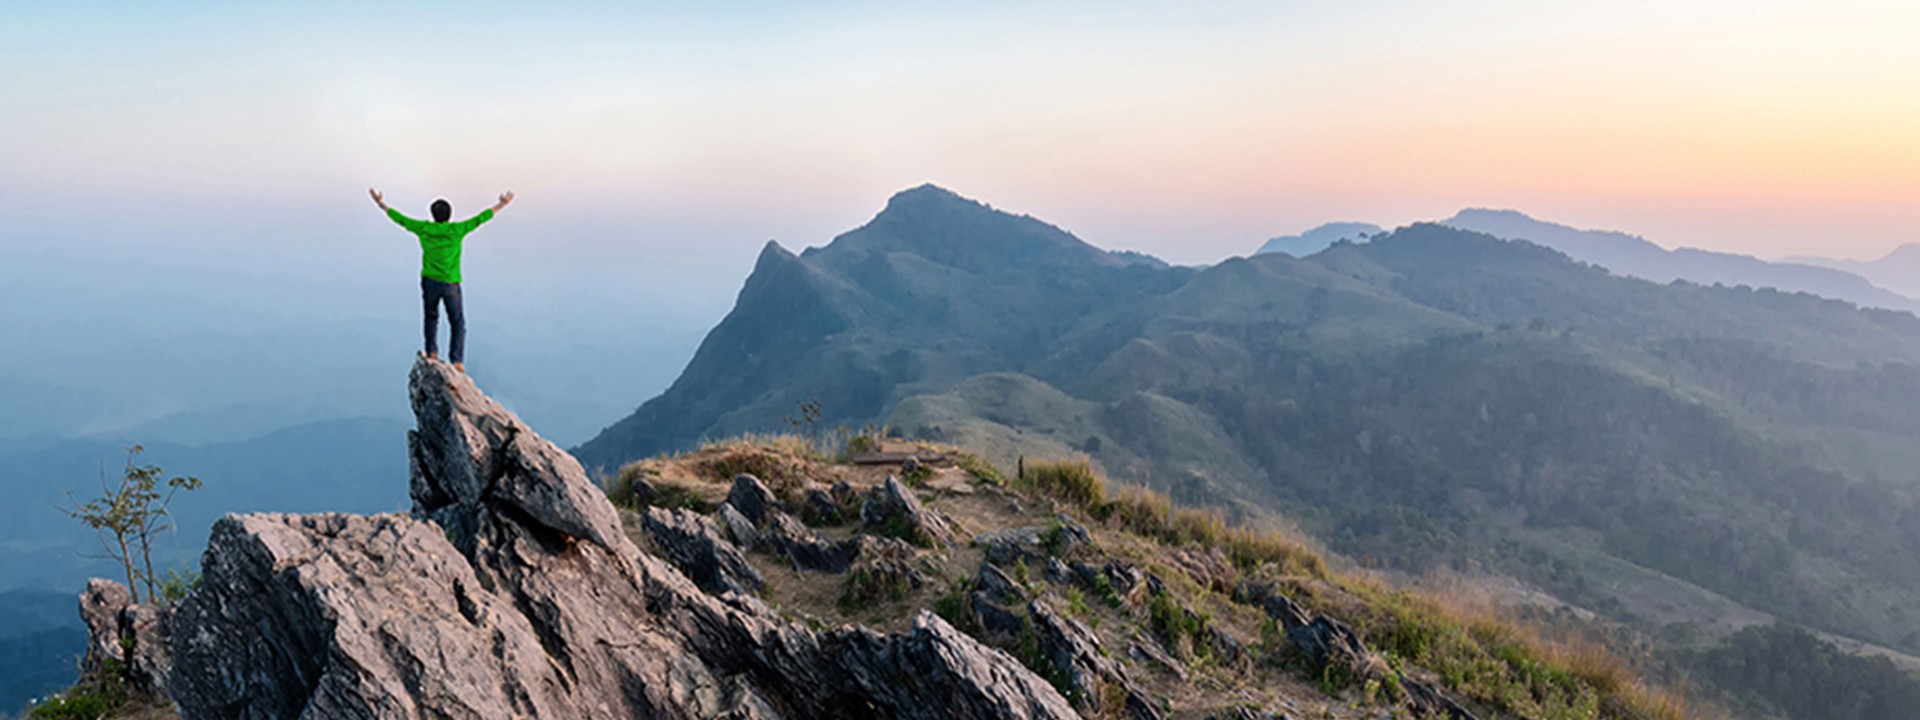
point(511, 591)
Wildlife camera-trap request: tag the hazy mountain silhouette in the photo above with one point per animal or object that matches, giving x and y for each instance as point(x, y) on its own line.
point(1898, 271)
point(1635, 257)
point(1320, 238)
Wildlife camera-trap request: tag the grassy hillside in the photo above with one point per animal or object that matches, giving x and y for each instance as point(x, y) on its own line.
point(1433, 400)
point(1171, 596)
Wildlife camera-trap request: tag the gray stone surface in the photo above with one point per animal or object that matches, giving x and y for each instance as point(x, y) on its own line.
point(692, 542)
point(512, 592)
point(752, 498)
point(891, 504)
point(1075, 652)
point(100, 606)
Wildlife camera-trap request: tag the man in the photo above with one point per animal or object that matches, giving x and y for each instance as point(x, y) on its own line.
point(440, 269)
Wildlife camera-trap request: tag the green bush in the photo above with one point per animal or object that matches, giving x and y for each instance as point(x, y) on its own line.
point(74, 706)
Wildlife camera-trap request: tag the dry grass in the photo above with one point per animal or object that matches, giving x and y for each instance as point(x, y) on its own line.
point(1152, 514)
point(1505, 661)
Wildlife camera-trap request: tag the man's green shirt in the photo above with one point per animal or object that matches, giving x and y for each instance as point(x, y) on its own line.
point(440, 243)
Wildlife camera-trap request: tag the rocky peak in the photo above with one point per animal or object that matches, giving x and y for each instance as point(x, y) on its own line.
point(511, 591)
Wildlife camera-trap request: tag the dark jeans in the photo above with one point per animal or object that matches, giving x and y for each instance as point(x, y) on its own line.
point(432, 293)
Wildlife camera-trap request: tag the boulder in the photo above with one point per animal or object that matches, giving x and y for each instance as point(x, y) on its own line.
point(146, 632)
point(692, 542)
point(100, 606)
point(997, 585)
point(823, 509)
point(134, 636)
point(1075, 653)
point(511, 591)
point(1035, 543)
point(891, 506)
point(1269, 599)
point(744, 534)
point(752, 498)
point(805, 549)
point(997, 624)
point(885, 570)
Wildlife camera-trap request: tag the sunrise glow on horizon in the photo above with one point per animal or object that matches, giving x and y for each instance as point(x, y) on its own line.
point(1765, 128)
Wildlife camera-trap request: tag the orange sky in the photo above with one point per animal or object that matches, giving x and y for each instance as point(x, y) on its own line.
point(1770, 128)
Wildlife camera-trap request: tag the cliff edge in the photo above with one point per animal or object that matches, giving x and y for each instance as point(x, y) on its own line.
point(512, 591)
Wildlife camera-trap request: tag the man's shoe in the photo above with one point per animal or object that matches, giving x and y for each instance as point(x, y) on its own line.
point(460, 367)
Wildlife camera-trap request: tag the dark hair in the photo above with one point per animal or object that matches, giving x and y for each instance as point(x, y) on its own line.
point(442, 211)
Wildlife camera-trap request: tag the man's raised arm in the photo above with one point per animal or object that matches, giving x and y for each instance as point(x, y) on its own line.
point(505, 197)
point(404, 221)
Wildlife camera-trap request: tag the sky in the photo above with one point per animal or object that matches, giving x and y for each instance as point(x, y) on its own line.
point(677, 140)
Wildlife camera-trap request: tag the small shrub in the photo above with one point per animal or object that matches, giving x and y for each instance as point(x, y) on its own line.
point(1077, 603)
point(917, 476)
point(980, 469)
point(952, 606)
point(74, 706)
point(1072, 482)
point(1103, 588)
point(178, 583)
point(621, 489)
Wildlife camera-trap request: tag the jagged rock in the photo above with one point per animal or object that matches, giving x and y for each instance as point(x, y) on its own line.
point(146, 632)
point(1005, 545)
point(1152, 652)
point(822, 509)
point(514, 593)
point(470, 460)
point(744, 534)
point(1269, 599)
point(885, 569)
point(100, 606)
point(997, 624)
point(892, 505)
point(844, 494)
point(805, 548)
point(1058, 572)
point(1428, 701)
point(1226, 648)
point(752, 498)
point(997, 585)
point(1075, 652)
point(1326, 640)
point(693, 543)
point(1123, 577)
point(134, 636)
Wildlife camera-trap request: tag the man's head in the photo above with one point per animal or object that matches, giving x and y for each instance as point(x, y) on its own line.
point(442, 210)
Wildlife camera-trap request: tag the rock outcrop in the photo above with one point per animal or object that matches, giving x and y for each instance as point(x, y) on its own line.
point(693, 544)
point(894, 509)
point(512, 591)
point(133, 636)
point(1084, 665)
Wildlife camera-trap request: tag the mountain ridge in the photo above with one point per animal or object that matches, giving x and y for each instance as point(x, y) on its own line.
point(1426, 399)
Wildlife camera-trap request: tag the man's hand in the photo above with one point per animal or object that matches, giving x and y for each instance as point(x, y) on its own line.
point(378, 199)
point(505, 197)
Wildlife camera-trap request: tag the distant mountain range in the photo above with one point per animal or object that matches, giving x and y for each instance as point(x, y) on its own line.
point(1898, 271)
point(1320, 238)
point(1885, 284)
point(1688, 458)
point(340, 465)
